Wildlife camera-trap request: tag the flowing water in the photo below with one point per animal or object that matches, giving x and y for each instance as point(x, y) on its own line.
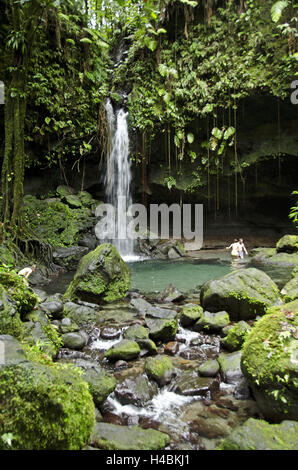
point(118, 179)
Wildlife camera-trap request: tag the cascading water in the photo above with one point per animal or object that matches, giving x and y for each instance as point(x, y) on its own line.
point(118, 178)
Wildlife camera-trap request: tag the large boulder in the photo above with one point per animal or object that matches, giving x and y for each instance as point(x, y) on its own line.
point(102, 276)
point(256, 434)
point(269, 362)
point(212, 322)
point(69, 257)
point(114, 437)
point(287, 244)
point(51, 409)
point(244, 294)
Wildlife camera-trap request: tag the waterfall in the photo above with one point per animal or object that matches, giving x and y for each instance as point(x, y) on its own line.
point(118, 175)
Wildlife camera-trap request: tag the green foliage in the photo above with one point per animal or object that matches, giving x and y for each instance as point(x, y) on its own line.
point(294, 211)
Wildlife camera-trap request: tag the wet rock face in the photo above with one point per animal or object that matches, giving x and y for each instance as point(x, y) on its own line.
point(244, 294)
point(136, 391)
point(69, 257)
point(160, 369)
point(230, 369)
point(190, 384)
point(287, 244)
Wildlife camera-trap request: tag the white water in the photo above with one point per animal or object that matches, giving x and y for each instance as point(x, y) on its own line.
point(118, 178)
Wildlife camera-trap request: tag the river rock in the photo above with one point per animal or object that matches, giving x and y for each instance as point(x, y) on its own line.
point(209, 368)
point(110, 333)
point(171, 348)
point(69, 257)
point(190, 314)
point(114, 437)
point(212, 322)
point(102, 276)
point(290, 290)
point(68, 326)
point(136, 332)
point(53, 308)
point(12, 352)
point(244, 294)
point(136, 391)
point(230, 369)
point(146, 309)
point(80, 314)
point(173, 254)
point(73, 340)
point(190, 384)
point(42, 395)
point(236, 336)
point(160, 369)
point(162, 329)
point(125, 350)
point(269, 362)
point(171, 294)
point(101, 384)
point(257, 434)
point(148, 347)
point(287, 244)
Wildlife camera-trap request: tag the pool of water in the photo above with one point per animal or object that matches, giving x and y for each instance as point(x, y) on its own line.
point(186, 274)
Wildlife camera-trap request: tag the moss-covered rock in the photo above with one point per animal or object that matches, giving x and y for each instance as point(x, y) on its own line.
point(256, 434)
point(287, 244)
point(190, 314)
point(125, 350)
point(160, 369)
point(102, 276)
point(74, 340)
point(19, 292)
point(230, 367)
point(136, 332)
point(162, 329)
point(244, 294)
point(113, 437)
point(236, 336)
point(51, 409)
point(209, 368)
point(136, 391)
point(290, 290)
point(44, 335)
point(269, 362)
point(212, 322)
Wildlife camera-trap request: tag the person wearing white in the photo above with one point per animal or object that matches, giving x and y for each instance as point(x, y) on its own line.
point(25, 273)
point(242, 248)
point(235, 249)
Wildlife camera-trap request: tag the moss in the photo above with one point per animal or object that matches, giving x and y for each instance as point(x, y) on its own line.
point(256, 434)
point(287, 244)
point(51, 407)
point(125, 350)
point(159, 368)
point(236, 336)
point(101, 275)
point(55, 222)
point(18, 291)
point(268, 361)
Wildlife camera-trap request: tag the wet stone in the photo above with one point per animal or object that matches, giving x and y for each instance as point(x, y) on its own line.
point(190, 384)
point(110, 333)
point(193, 353)
point(136, 391)
point(171, 348)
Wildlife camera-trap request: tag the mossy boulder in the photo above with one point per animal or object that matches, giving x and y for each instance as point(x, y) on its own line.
point(73, 340)
point(102, 276)
point(290, 290)
point(287, 244)
point(136, 332)
point(190, 314)
point(42, 333)
point(51, 409)
point(160, 369)
point(162, 329)
point(114, 437)
point(257, 434)
point(269, 362)
point(125, 350)
point(244, 294)
point(236, 336)
point(80, 314)
point(282, 259)
point(212, 322)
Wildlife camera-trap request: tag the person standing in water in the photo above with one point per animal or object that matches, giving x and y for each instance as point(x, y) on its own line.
point(25, 273)
point(235, 253)
point(242, 248)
